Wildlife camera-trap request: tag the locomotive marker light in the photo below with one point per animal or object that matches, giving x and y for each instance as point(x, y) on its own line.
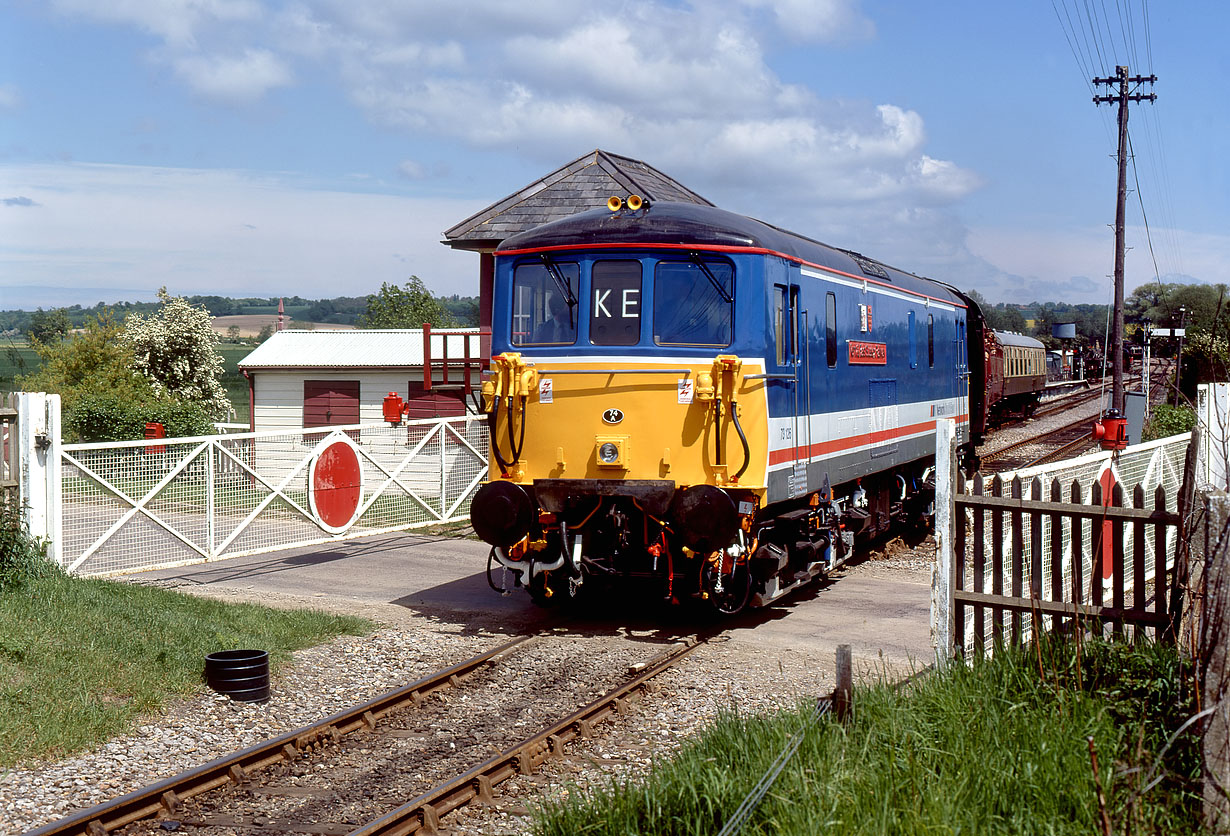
point(335, 483)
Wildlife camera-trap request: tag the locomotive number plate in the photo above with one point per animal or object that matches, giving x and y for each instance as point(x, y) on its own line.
point(613, 416)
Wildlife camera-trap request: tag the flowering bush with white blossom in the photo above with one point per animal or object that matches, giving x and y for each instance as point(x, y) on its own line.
point(176, 350)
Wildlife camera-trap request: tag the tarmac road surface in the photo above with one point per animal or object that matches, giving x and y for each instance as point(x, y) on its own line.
point(880, 608)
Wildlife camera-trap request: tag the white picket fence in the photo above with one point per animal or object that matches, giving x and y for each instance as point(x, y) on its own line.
point(113, 508)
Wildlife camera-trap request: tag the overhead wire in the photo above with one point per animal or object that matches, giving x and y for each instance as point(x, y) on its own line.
point(1095, 29)
point(1083, 57)
point(1094, 37)
point(1143, 213)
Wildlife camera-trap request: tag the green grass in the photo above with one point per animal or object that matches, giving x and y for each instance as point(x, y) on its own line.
point(233, 381)
point(82, 660)
point(16, 358)
point(988, 749)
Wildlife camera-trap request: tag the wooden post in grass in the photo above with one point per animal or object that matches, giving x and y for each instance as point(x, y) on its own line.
point(1215, 661)
point(843, 694)
point(943, 571)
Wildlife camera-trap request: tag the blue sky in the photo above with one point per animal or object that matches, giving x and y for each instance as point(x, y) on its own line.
point(320, 147)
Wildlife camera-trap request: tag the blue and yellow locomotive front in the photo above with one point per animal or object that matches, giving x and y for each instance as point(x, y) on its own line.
point(658, 418)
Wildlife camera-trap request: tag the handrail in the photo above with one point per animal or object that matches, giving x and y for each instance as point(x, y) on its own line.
point(613, 371)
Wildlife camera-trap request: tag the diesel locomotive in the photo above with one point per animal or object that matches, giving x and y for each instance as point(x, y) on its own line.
point(686, 403)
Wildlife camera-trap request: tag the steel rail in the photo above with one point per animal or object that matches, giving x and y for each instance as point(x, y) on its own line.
point(1085, 440)
point(1038, 439)
point(168, 795)
point(423, 813)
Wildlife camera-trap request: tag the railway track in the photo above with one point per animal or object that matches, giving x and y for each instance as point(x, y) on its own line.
point(1069, 439)
point(396, 764)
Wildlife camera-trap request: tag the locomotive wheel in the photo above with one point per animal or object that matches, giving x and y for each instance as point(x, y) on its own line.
point(736, 589)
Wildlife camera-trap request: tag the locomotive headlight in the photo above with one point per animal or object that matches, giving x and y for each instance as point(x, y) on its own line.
point(611, 451)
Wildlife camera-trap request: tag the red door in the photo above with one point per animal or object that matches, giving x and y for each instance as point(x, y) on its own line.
point(330, 403)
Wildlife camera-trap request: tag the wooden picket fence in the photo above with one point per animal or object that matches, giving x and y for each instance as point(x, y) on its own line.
point(1034, 553)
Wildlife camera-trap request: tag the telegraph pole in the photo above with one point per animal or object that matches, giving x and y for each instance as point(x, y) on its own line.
point(1124, 96)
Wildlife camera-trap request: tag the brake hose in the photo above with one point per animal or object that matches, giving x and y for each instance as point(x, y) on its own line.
point(515, 449)
point(495, 436)
point(747, 451)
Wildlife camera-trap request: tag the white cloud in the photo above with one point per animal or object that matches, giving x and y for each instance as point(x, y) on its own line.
point(688, 88)
point(10, 97)
point(411, 170)
point(240, 79)
point(178, 22)
point(1076, 265)
point(818, 20)
point(225, 232)
point(686, 85)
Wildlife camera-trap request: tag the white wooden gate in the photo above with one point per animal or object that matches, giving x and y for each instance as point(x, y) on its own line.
point(139, 505)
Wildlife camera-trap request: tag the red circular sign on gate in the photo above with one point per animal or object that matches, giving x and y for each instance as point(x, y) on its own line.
point(335, 484)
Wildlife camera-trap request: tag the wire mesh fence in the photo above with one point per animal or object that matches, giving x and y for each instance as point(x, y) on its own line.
point(1015, 554)
point(133, 506)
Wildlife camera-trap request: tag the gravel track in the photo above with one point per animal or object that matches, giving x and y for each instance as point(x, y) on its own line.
point(349, 670)
point(369, 773)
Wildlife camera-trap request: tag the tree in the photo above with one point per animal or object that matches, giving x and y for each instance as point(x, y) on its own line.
point(982, 302)
point(232, 333)
point(48, 326)
point(393, 307)
point(176, 349)
point(265, 333)
point(463, 309)
point(94, 360)
point(93, 372)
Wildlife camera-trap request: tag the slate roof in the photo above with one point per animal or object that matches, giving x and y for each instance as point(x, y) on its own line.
point(585, 183)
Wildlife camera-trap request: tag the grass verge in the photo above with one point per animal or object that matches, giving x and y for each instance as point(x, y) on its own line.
point(81, 660)
point(990, 748)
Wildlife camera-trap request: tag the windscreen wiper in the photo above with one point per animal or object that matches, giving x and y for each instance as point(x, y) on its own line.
point(562, 283)
point(726, 297)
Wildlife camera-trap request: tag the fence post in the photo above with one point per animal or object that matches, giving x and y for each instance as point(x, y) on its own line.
point(38, 421)
point(1214, 658)
point(944, 568)
point(1180, 592)
point(843, 693)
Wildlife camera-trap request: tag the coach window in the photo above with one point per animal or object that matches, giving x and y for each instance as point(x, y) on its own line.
point(931, 341)
point(913, 341)
point(830, 329)
point(545, 303)
point(693, 302)
point(615, 303)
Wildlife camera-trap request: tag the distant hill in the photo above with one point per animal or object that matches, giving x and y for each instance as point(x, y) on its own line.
point(250, 314)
